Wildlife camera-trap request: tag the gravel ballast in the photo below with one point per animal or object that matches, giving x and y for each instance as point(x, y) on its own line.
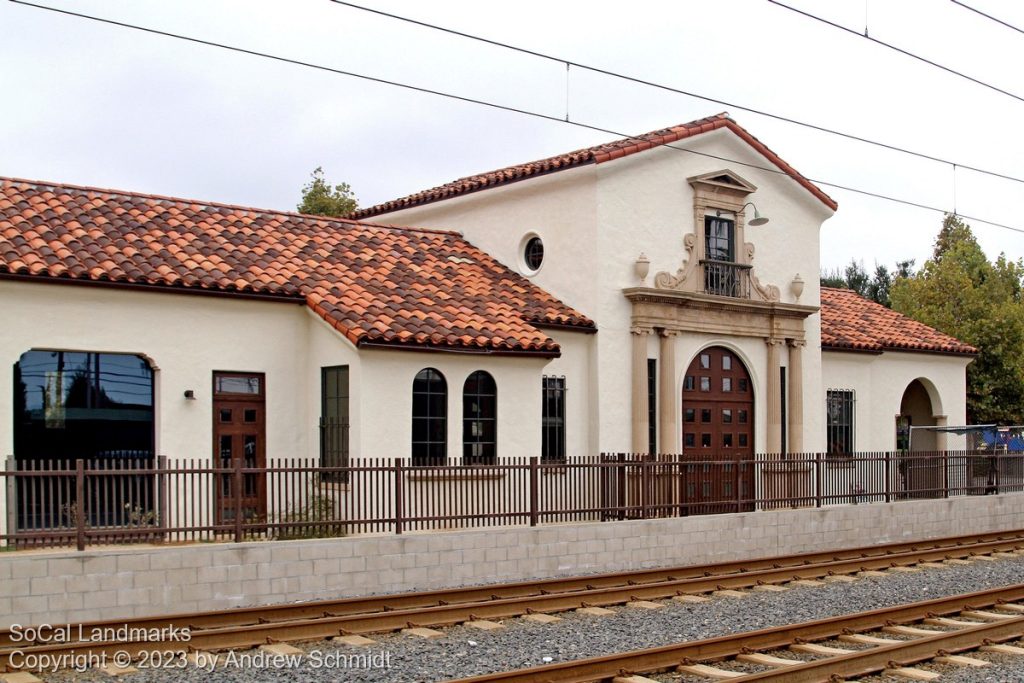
point(464, 651)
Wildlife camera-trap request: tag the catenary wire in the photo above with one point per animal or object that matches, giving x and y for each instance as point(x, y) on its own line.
point(902, 51)
point(501, 107)
point(988, 16)
point(667, 88)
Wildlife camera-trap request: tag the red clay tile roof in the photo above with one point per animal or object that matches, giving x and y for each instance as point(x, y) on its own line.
point(373, 283)
point(593, 155)
point(851, 322)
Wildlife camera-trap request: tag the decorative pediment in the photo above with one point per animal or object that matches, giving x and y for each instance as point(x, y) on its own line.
point(723, 180)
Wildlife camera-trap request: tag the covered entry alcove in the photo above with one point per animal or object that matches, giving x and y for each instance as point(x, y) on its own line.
point(673, 313)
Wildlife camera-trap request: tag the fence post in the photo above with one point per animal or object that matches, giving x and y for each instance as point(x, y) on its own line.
point(945, 474)
point(80, 503)
point(817, 480)
point(888, 477)
point(162, 486)
point(534, 493)
point(997, 461)
point(12, 499)
point(645, 482)
point(237, 485)
point(620, 478)
point(399, 496)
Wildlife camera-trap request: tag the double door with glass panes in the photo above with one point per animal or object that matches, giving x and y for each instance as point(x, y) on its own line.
point(718, 431)
point(239, 439)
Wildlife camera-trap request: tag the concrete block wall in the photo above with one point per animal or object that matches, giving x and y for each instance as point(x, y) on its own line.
point(64, 586)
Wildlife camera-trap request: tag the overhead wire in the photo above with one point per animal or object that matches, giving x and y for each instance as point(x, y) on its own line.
point(900, 50)
point(501, 107)
point(988, 16)
point(678, 91)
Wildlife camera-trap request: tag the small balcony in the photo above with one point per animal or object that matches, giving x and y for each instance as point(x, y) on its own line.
point(722, 278)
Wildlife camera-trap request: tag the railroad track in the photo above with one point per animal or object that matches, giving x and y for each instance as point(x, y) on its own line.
point(892, 640)
point(248, 627)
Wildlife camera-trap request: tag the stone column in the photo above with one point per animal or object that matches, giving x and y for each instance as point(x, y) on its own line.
point(640, 407)
point(773, 396)
point(941, 438)
point(796, 395)
point(668, 433)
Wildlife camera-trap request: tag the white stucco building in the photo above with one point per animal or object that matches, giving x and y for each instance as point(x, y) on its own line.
point(619, 298)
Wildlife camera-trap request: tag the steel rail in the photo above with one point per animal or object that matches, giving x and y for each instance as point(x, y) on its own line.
point(881, 657)
point(976, 543)
point(327, 624)
point(667, 657)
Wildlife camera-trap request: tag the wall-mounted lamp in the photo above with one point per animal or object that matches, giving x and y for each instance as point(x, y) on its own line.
point(757, 221)
point(797, 286)
point(190, 395)
point(642, 267)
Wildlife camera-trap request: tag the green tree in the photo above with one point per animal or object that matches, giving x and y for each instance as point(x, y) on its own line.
point(320, 199)
point(875, 287)
point(961, 293)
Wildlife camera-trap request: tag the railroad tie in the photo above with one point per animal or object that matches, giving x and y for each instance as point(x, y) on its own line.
point(987, 616)
point(541, 618)
point(20, 677)
point(946, 621)
point(708, 671)
point(484, 625)
point(867, 640)
point(912, 673)
point(1011, 607)
point(984, 558)
point(595, 611)
point(1003, 649)
point(770, 588)
point(646, 604)
point(420, 632)
point(633, 679)
point(816, 649)
point(901, 630)
point(687, 598)
point(839, 578)
point(730, 593)
point(353, 640)
point(960, 660)
point(766, 660)
point(281, 649)
point(955, 560)
point(114, 670)
point(904, 569)
point(811, 583)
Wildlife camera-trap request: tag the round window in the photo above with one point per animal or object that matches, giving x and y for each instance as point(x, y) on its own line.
point(533, 253)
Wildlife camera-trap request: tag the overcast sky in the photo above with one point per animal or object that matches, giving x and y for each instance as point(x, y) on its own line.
point(92, 104)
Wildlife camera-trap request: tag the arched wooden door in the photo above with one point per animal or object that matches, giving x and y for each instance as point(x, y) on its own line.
point(718, 433)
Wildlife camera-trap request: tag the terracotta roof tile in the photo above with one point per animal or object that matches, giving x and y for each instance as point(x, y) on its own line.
point(593, 155)
point(373, 283)
point(851, 322)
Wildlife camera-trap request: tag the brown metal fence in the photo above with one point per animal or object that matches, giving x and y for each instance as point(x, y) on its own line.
point(153, 500)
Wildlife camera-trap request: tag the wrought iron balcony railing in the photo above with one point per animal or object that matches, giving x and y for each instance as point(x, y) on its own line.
point(722, 278)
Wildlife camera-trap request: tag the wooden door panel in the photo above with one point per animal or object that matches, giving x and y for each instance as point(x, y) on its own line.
point(239, 436)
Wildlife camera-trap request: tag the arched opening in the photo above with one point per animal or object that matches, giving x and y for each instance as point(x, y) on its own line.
point(920, 470)
point(916, 410)
point(83, 406)
point(718, 428)
point(72, 405)
point(479, 420)
point(429, 418)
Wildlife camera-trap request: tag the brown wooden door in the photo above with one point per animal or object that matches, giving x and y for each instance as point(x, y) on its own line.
point(239, 435)
point(718, 432)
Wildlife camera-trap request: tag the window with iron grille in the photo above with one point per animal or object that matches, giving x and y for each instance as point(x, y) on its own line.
point(840, 412)
point(479, 420)
point(553, 419)
point(334, 420)
point(429, 418)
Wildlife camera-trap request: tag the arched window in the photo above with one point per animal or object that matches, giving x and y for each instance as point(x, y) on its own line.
point(479, 420)
point(429, 418)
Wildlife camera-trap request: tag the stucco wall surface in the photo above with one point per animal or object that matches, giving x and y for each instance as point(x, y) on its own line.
point(53, 587)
